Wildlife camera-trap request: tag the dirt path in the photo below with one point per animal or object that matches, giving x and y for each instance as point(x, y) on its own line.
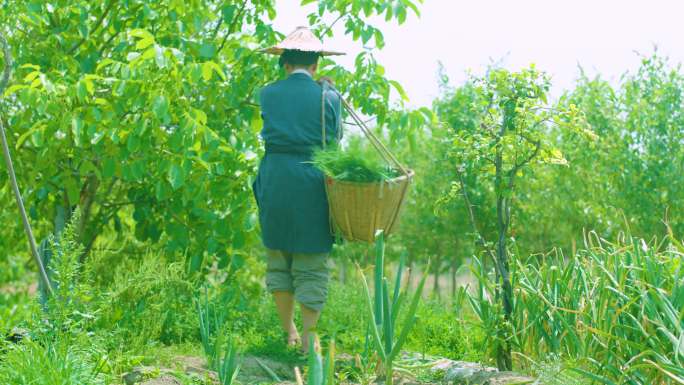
point(262, 370)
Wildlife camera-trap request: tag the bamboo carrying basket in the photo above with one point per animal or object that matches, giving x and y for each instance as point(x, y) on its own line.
point(358, 210)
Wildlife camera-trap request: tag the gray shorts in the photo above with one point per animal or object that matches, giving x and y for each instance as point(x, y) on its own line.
point(305, 275)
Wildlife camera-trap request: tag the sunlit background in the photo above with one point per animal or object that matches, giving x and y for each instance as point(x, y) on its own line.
point(603, 37)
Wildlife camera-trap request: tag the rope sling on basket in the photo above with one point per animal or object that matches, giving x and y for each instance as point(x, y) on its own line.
point(359, 209)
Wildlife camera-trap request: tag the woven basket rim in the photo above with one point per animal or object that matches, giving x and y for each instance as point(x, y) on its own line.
point(398, 179)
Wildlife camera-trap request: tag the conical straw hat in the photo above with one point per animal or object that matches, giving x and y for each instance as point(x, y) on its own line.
point(302, 39)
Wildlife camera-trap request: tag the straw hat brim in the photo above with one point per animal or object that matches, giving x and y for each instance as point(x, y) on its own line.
point(276, 50)
point(301, 39)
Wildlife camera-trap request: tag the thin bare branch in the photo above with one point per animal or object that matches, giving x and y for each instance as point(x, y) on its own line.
point(12, 175)
point(325, 32)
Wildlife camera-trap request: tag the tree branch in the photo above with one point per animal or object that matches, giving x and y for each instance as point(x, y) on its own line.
point(109, 40)
point(513, 171)
point(471, 215)
point(12, 176)
point(216, 29)
point(325, 32)
point(233, 24)
point(97, 25)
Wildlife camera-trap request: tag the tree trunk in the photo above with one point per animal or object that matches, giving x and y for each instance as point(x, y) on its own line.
point(343, 270)
point(409, 270)
point(435, 272)
point(504, 359)
point(454, 267)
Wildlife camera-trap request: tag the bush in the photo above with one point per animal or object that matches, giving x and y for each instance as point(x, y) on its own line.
point(149, 301)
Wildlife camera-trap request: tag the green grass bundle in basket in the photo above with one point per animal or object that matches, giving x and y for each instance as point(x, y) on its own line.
point(365, 191)
point(353, 164)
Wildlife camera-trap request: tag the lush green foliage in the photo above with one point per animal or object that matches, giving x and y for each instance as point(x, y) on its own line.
point(142, 116)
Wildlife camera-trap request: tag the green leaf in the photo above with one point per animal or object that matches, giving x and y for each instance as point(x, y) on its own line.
point(160, 107)
point(379, 274)
point(399, 89)
point(176, 176)
point(379, 39)
point(133, 143)
point(218, 70)
point(207, 71)
point(315, 364)
point(83, 30)
point(162, 190)
point(228, 11)
point(411, 317)
point(366, 35)
point(144, 43)
point(387, 317)
point(77, 128)
point(207, 50)
point(140, 33)
point(397, 282)
point(31, 66)
point(73, 190)
point(81, 91)
point(159, 57)
point(108, 168)
point(87, 167)
point(38, 126)
point(14, 88)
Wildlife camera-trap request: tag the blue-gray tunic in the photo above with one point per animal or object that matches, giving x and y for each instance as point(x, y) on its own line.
point(290, 192)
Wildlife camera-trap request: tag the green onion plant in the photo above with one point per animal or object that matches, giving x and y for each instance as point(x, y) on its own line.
point(617, 309)
point(228, 366)
point(384, 312)
point(321, 373)
point(222, 355)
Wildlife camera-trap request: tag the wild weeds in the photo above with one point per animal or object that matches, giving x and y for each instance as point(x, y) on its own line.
point(60, 348)
point(50, 361)
point(72, 305)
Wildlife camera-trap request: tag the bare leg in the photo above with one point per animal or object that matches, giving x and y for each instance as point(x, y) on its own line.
point(309, 321)
point(285, 305)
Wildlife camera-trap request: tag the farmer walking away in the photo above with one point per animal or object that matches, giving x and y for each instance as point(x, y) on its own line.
point(299, 115)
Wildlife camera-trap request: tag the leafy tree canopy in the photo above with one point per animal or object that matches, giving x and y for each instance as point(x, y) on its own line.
point(144, 114)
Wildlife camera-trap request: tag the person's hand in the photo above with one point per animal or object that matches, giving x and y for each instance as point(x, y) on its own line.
point(325, 79)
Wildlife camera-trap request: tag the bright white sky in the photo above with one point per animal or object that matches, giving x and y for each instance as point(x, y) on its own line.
point(558, 36)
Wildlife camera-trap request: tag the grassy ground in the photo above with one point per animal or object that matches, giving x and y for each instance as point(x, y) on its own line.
point(578, 319)
point(142, 311)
